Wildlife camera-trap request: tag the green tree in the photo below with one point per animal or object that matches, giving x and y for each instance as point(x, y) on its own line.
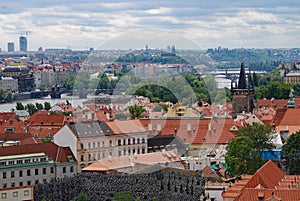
point(255, 79)
point(242, 157)
point(69, 82)
point(81, 197)
point(31, 108)
point(291, 154)
point(19, 106)
point(120, 115)
point(47, 106)
point(159, 107)
point(260, 134)
point(135, 111)
point(123, 196)
point(39, 106)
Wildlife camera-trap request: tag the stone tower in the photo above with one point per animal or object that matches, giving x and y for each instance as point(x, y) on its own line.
point(242, 95)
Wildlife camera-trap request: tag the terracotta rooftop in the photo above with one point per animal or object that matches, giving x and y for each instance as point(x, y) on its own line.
point(44, 118)
point(126, 126)
point(269, 178)
point(269, 195)
point(116, 163)
point(195, 131)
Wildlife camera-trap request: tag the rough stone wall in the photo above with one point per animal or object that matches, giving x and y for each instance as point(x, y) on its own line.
point(164, 185)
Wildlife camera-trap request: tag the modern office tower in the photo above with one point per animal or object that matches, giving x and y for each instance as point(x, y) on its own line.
point(10, 47)
point(23, 44)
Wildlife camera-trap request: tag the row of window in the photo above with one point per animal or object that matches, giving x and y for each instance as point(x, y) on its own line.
point(95, 145)
point(23, 161)
point(129, 141)
point(36, 172)
point(138, 151)
point(28, 183)
point(15, 194)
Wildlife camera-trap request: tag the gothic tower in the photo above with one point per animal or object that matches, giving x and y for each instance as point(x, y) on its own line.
point(242, 95)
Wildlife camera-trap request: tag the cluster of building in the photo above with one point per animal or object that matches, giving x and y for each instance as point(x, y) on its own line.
point(54, 144)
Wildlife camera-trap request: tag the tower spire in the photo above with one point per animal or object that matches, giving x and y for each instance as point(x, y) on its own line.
point(242, 78)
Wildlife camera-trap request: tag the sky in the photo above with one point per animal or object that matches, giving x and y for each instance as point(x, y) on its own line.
point(133, 24)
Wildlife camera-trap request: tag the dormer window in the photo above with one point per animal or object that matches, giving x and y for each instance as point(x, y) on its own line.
point(9, 129)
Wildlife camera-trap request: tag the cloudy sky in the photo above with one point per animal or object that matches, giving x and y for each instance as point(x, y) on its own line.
point(206, 23)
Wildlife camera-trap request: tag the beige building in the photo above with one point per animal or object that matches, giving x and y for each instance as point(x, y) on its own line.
point(9, 84)
point(91, 141)
point(31, 164)
point(17, 193)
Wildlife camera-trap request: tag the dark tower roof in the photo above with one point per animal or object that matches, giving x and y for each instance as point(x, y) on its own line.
point(242, 78)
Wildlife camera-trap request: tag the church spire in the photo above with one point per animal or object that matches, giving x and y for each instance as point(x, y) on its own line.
point(242, 78)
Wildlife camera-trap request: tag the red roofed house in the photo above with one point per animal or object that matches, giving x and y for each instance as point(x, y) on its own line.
point(12, 131)
point(199, 133)
point(36, 163)
point(269, 183)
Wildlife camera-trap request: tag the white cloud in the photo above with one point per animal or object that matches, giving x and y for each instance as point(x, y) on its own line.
point(86, 24)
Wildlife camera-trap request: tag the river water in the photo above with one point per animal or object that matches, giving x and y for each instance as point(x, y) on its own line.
point(74, 100)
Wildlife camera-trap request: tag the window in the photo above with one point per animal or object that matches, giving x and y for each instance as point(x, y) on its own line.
point(19, 161)
point(3, 195)
point(9, 129)
point(64, 169)
point(28, 173)
point(15, 194)
point(5, 185)
point(98, 144)
point(120, 152)
point(71, 169)
point(36, 181)
point(94, 145)
point(21, 173)
point(12, 184)
point(143, 150)
point(26, 193)
point(20, 183)
point(12, 174)
point(82, 158)
point(89, 145)
point(4, 175)
point(138, 140)
point(124, 142)
point(27, 160)
point(28, 183)
point(128, 142)
point(110, 143)
point(3, 163)
point(103, 144)
point(52, 170)
point(44, 170)
point(90, 157)
point(11, 162)
point(143, 140)
point(81, 146)
point(119, 143)
point(36, 171)
point(133, 141)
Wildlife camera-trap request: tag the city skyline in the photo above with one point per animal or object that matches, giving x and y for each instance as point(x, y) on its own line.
point(62, 24)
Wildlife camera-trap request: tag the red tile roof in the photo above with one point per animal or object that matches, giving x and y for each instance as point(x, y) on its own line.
point(268, 176)
point(44, 118)
point(198, 132)
point(284, 195)
point(126, 126)
point(57, 153)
